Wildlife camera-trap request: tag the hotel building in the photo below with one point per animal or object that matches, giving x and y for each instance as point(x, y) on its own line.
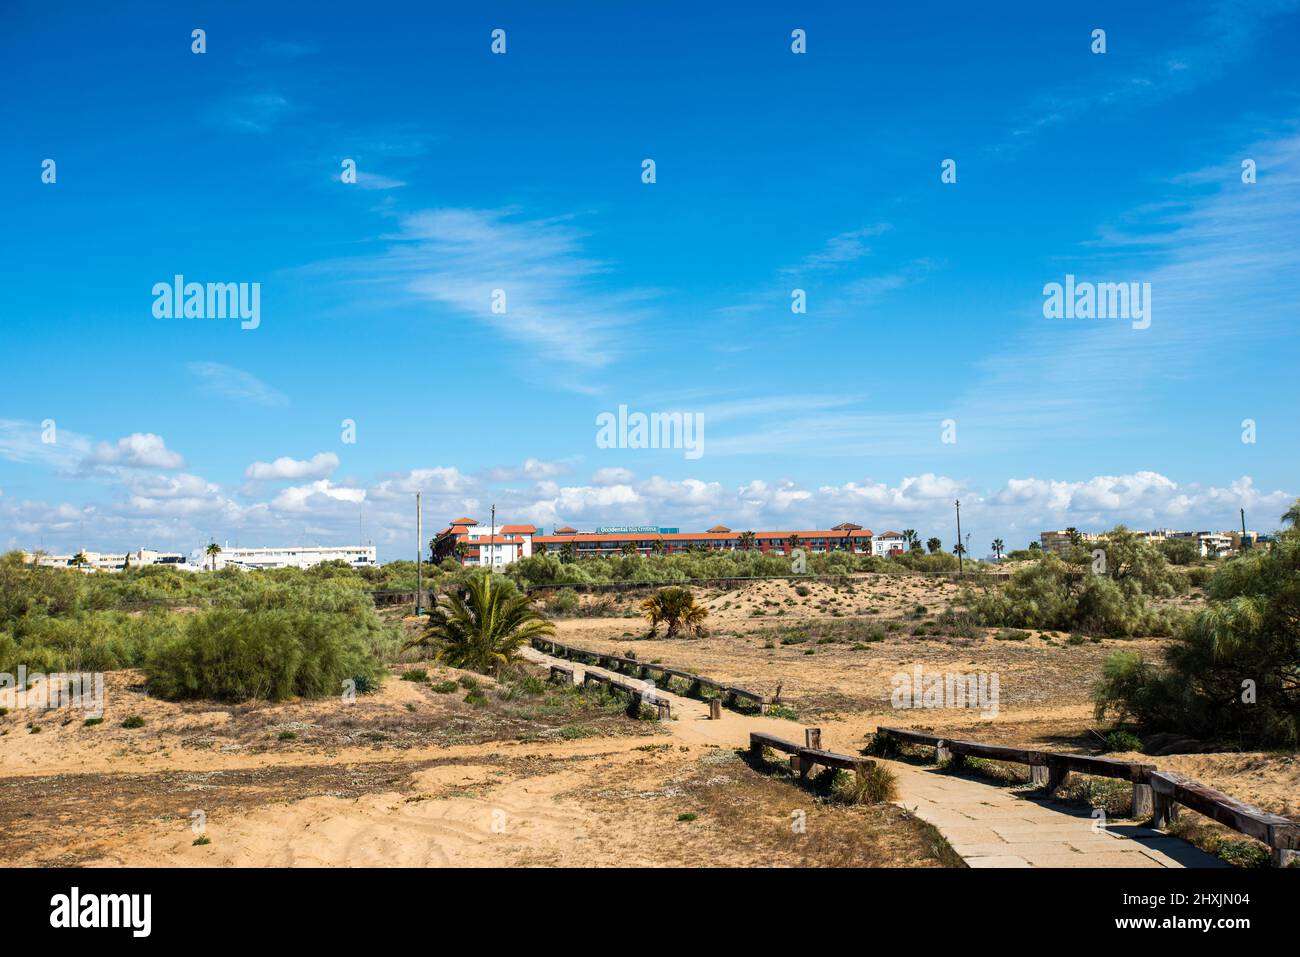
point(473, 544)
point(294, 556)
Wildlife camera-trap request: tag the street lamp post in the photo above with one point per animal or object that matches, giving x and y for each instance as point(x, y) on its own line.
point(960, 566)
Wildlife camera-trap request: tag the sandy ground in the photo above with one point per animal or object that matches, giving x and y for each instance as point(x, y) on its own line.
point(411, 776)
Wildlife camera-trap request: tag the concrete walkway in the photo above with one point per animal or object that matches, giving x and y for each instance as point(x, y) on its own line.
point(995, 826)
point(987, 824)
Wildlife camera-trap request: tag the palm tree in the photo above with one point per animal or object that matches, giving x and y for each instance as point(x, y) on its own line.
point(793, 541)
point(629, 548)
point(1075, 537)
point(933, 544)
point(213, 551)
point(567, 552)
point(79, 559)
point(1035, 546)
point(997, 548)
point(910, 536)
point(747, 541)
point(483, 628)
point(1292, 514)
point(658, 546)
point(675, 607)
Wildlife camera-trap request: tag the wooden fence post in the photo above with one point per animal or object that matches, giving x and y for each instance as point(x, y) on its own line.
point(1142, 801)
point(665, 709)
point(1164, 810)
point(715, 710)
point(941, 752)
point(813, 738)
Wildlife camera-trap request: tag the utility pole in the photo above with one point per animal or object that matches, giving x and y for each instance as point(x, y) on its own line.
point(419, 557)
point(960, 565)
point(1244, 546)
point(492, 541)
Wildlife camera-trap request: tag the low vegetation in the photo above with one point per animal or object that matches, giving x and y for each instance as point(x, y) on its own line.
point(1233, 672)
point(676, 609)
point(483, 628)
point(1111, 594)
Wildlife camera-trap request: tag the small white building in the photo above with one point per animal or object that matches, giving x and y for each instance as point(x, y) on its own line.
point(888, 543)
point(290, 556)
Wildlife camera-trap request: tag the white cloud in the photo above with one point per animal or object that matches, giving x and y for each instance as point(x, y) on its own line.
point(231, 383)
point(315, 495)
point(554, 303)
point(320, 465)
point(138, 450)
point(613, 476)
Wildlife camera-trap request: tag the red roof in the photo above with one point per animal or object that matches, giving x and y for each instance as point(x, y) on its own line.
point(566, 530)
point(845, 527)
point(464, 521)
point(719, 528)
point(562, 535)
point(519, 529)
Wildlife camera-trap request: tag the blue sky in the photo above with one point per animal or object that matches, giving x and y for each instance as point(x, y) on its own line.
point(522, 171)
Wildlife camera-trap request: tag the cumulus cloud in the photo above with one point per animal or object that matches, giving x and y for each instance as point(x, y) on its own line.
point(320, 465)
point(315, 495)
point(142, 450)
point(180, 510)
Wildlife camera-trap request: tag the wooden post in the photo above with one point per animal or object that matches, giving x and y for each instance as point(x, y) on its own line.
point(665, 709)
point(755, 748)
point(1142, 803)
point(1164, 810)
point(1038, 774)
point(1055, 778)
point(800, 765)
point(812, 738)
point(941, 752)
point(1282, 856)
point(715, 710)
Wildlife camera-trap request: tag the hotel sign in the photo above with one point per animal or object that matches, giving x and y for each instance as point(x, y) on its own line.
point(634, 530)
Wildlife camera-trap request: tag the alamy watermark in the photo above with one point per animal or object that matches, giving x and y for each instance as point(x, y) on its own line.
point(1101, 300)
point(919, 689)
point(657, 430)
point(179, 299)
point(37, 691)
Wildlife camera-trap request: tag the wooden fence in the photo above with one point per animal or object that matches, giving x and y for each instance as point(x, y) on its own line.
point(804, 758)
point(1157, 795)
point(730, 694)
point(639, 695)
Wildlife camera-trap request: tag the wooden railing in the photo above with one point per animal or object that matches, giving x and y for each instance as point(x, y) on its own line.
point(1157, 795)
point(804, 758)
point(729, 694)
point(639, 694)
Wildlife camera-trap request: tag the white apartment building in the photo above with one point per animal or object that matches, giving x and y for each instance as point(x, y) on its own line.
point(111, 561)
point(291, 556)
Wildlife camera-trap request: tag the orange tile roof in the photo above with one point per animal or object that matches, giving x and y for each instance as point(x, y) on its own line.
point(519, 529)
point(695, 536)
point(719, 528)
point(464, 521)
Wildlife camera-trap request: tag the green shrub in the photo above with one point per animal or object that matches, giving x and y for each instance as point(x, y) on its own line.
point(1123, 741)
point(236, 655)
point(134, 721)
point(416, 674)
point(444, 687)
point(1247, 633)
